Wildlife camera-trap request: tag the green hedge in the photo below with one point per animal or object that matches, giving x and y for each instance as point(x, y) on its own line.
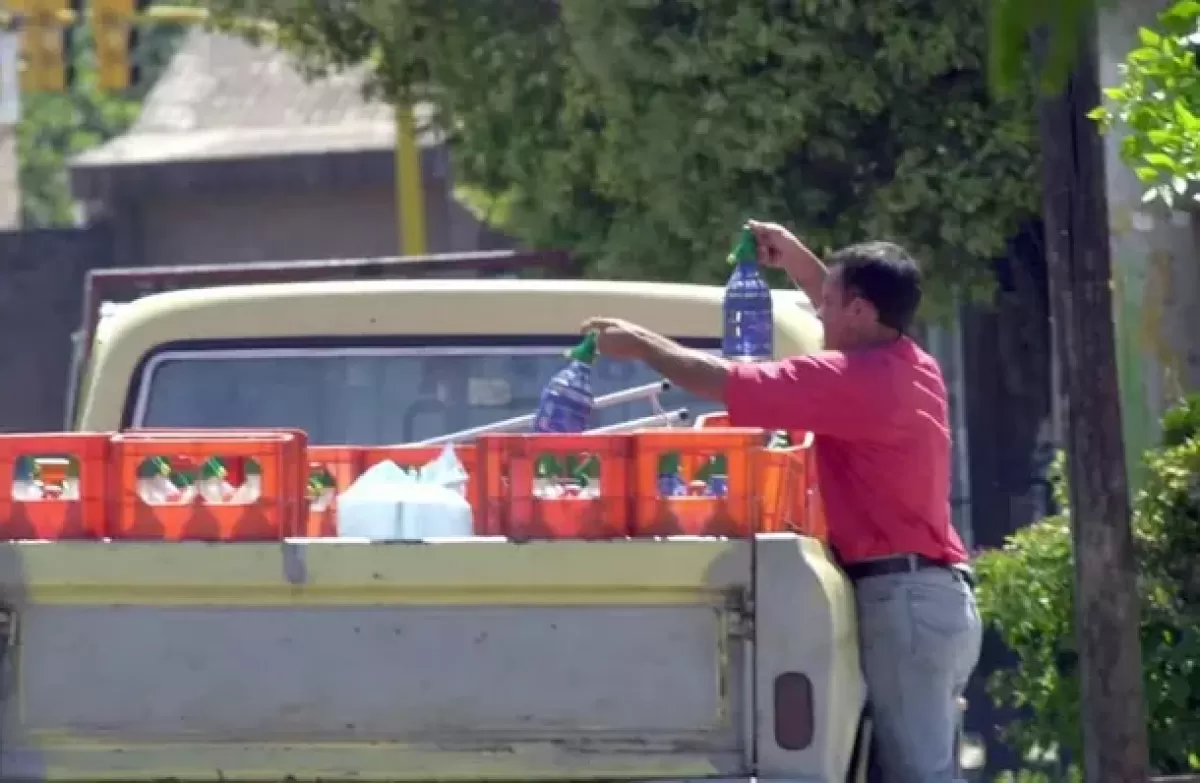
point(1026, 595)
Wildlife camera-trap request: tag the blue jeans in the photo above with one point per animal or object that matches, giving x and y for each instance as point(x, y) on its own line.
point(920, 635)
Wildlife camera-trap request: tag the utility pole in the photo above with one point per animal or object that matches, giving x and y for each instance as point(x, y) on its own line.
point(1115, 748)
point(410, 193)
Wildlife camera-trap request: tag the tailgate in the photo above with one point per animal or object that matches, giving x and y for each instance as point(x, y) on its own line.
point(455, 660)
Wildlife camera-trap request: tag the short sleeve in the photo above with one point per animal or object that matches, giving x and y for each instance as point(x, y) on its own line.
point(827, 393)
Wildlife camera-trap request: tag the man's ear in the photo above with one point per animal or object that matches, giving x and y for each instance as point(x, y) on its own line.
point(864, 309)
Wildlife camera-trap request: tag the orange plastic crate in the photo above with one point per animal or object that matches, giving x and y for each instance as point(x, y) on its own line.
point(275, 510)
point(53, 486)
point(720, 420)
point(338, 466)
point(708, 421)
point(786, 491)
point(514, 507)
point(816, 521)
point(735, 514)
point(416, 456)
point(297, 481)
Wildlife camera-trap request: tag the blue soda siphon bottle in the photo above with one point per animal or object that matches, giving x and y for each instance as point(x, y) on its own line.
point(749, 327)
point(670, 478)
point(25, 479)
point(717, 484)
point(566, 402)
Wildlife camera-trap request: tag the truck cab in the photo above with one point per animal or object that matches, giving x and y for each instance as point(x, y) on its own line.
point(381, 362)
point(470, 660)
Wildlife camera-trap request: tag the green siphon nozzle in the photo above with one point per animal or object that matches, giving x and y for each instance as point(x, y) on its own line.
point(546, 467)
point(586, 350)
point(588, 470)
point(746, 249)
point(212, 469)
point(779, 440)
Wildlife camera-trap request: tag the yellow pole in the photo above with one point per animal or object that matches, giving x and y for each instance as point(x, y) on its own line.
point(410, 195)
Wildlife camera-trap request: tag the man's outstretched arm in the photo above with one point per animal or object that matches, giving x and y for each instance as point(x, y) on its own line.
point(698, 372)
point(828, 393)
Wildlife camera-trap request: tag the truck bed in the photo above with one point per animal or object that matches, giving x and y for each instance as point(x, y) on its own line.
point(458, 660)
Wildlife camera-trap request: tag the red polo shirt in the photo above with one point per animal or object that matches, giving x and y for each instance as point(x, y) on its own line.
point(882, 443)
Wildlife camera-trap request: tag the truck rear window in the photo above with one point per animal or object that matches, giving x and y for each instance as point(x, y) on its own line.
point(371, 396)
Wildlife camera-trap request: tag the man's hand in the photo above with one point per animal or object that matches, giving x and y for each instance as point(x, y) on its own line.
point(699, 372)
point(779, 248)
point(618, 339)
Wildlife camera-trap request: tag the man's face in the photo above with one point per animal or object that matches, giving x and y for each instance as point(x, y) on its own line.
point(841, 312)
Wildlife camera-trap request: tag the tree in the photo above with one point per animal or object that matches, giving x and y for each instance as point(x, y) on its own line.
point(1157, 103)
point(1063, 35)
point(640, 134)
point(1075, 210)
point(56, 126)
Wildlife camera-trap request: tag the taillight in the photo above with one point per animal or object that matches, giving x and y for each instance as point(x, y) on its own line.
point(793, 711)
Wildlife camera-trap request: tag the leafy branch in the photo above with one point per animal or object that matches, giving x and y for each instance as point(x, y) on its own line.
point(1157, 104)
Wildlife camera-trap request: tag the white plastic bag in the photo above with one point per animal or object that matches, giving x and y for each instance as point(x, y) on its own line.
point(446, 471)
point(388, 503)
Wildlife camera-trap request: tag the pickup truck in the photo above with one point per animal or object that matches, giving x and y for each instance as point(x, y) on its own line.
point(467, 660)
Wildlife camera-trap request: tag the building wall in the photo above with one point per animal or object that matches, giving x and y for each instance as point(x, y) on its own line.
point(41, 299)
point(217, 228)
point(220, 228)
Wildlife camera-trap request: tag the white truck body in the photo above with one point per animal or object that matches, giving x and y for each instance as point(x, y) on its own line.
point(473, 660)
point(460, 660)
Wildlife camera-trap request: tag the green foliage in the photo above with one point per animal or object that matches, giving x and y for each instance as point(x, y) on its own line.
point(640, 134)
point(1053, 775)
point(55, 127)
point(1158, 103)
point(1026, 595)
point(1182, 422)
point(1012, 23)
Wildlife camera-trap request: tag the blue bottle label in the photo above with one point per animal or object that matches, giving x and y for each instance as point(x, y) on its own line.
point(749, 325)
point(748, 334)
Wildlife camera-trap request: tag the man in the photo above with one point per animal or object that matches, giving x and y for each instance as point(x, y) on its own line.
point(877, 405)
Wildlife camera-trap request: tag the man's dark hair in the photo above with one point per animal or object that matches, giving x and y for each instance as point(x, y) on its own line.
point(885, 275)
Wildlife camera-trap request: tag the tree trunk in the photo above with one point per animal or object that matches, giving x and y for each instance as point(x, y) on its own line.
point(1080, 272)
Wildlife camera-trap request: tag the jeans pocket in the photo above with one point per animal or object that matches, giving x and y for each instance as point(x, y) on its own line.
point(944, 623)
point(882, 614)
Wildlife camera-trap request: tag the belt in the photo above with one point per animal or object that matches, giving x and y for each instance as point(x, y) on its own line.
point(906, 564)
